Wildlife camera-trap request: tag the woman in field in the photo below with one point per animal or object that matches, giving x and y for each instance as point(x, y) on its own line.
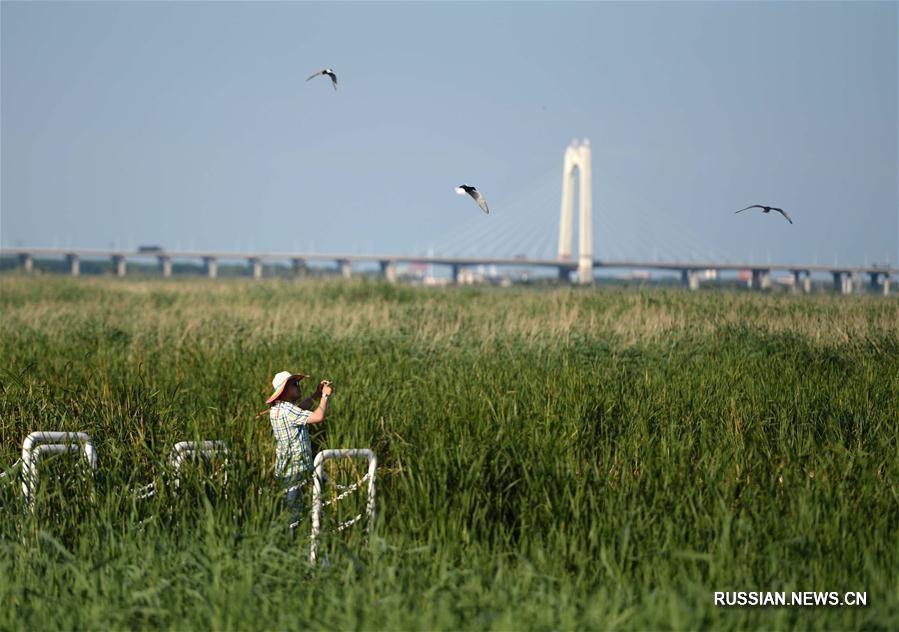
point(290, 420)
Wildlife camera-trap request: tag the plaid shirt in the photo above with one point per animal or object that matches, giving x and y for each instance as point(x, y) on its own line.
point(294, 449)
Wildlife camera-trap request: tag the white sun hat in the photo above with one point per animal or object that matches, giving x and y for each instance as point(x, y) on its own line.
point(280, 381)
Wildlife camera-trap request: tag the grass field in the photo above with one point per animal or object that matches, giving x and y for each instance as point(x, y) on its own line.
point(549, 459)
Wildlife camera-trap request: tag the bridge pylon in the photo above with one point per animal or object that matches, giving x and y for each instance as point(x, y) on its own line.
point(577, 157)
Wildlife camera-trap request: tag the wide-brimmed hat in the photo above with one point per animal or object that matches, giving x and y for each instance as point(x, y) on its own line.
point(280, 382)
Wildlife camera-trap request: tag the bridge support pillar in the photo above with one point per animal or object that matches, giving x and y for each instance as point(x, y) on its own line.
point(761, 279)
point(842, 282)
point(118, 262)
point(212, 267)
point(27, 262)
point(690, 279)
point(256, 266)
point(298, 266)
point(874, 280)
point(578, 158)
point(165, 266)
point(457, 272)
point(585, 270)
point(388, 270)
point(74, 264)
point(345, 268)
point(802, 281)
point(880, 281)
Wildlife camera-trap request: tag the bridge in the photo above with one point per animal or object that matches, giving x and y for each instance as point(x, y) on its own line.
point(583, 267)
point(846, 279)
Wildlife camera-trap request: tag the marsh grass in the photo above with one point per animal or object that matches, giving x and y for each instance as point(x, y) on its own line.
point(552, 458)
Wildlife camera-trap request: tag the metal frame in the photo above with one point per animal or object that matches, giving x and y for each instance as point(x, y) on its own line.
point(184, 450)
point(44, 442)
point(320, 458)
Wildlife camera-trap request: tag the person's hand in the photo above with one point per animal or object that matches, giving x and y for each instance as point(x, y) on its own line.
point(325, 388)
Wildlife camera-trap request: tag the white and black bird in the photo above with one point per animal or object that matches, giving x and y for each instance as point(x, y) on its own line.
point(325, 71)
point(476, 195)
point(766, 209)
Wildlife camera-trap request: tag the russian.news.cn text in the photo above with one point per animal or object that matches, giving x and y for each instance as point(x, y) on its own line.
point(802, 599)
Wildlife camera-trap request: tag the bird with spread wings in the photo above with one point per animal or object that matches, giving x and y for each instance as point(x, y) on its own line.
point(325, 71)
point(766, 209)
point(476, 195)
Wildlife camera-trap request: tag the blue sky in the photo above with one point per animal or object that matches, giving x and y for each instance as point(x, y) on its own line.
point(190, 125)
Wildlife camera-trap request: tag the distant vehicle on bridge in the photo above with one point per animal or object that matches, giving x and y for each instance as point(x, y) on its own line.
point(146, 249)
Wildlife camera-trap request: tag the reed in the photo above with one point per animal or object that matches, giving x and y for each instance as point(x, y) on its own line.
point(549, 458)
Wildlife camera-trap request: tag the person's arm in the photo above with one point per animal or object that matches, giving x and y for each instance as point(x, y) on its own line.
point(318, 415)
point(307, 403)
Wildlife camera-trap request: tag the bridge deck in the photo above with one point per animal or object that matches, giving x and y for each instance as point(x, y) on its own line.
point(436, 260)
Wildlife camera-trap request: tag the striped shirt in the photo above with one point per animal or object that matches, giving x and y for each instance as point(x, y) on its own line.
point(293, 455)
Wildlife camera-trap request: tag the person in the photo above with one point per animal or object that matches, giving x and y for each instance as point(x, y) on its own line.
point(290, 420)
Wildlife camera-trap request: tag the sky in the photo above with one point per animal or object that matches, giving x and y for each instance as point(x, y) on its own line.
point(190, 125)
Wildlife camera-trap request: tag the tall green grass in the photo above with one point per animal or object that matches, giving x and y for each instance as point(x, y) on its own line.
point(555, 458)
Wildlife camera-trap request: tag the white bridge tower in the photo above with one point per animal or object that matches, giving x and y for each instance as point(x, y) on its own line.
point(577, 156)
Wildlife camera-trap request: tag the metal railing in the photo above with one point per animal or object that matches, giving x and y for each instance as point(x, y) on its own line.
point(320, 458)
point(39, 443)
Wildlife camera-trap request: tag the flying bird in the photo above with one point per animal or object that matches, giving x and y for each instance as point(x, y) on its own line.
point(766, 209)
point(462, 189)
point(325, 71)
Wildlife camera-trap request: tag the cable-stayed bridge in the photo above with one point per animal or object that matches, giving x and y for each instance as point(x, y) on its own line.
point(523, 236)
